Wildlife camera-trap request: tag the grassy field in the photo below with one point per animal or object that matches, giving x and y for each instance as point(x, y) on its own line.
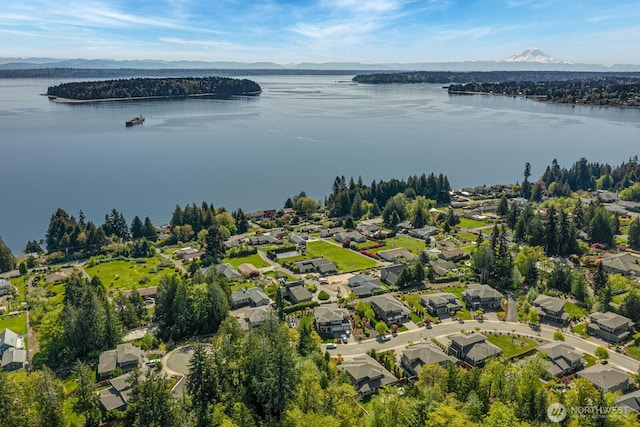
point(17, 324)
point(471, 223)
point(465, 235)
point(575, 311)
point(344, 259)
point(254, 259)
point(129, 274)
point(512, 346)
point(21, 284)
point(414, 246)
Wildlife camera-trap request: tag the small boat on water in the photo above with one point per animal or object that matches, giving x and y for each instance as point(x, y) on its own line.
point(135, 121)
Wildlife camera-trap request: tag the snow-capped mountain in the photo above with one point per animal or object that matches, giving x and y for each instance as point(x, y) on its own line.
point(533, 54)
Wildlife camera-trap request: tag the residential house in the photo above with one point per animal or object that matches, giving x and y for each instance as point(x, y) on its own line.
point(390, 274)
point(424, 233)
point(562, 359)
point(389, 310)
point(228, 271)
point(482, 297)
point(117, 395)
point(5, 287)
point(255, 317)
point(441, 304)
point(606, 378)
point(366, 375)
point(454, 255)
point(248, 270)
point(317, 265)
point(364, 285)
point(126, 357)
point(255, 297)
point(416, 356)
point(265, 239)
point(442, 268)
point(329, 232)
point(368, 229)
point(625, 264)
point(551, 309)
point(185, 253)
point(610, 326)
point(394, 255)
point(296, 292)
point(630, 402)
point(12, 352)
point(299, 239)
point(351, 236)
point(145, 293)
point(56, 277)
point(332, 320)
point(473, 349)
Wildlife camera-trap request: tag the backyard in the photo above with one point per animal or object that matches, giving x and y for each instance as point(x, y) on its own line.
point(344, 259)
point(17, 323)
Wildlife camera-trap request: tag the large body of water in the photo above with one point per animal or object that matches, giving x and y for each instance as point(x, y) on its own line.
point(253, 153)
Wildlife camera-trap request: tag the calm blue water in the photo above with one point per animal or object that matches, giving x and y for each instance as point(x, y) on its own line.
point(253, 153)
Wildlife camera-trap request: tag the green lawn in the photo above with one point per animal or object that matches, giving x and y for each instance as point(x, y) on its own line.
point(581, 329)
point(465, 235)
point(414, 246)
point(589, 359)
point(344, 259)
point(129, 274)
point(253, 259)
point(21, 284)
point(512, 345)
point(470, 223)
point(17, 324)
point(575, 311)
point(634, 351)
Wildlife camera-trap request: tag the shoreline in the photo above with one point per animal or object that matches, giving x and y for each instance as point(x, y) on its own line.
point(539, 98)
point(141, 98)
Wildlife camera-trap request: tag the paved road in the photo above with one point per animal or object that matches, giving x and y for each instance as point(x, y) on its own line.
point(442, 330)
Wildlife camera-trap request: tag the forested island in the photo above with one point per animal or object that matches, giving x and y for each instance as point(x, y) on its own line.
point(123, 89)
point(601, 91)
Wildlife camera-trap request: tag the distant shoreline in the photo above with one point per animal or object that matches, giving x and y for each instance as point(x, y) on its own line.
point(139, 98)
point(540, 98)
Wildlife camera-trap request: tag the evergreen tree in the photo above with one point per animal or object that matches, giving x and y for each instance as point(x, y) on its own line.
point(634, 234)
point(600, 278)
point(199, 383)
point(88, 402)
point(503, 206)
point(7, 261)
point(280, 304)
point(214, 244)
point(151, 403)
point(137, 228)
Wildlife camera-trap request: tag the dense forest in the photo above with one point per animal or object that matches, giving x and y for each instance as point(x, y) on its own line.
point(146, 87)
point(486, 76)
point(605, 91)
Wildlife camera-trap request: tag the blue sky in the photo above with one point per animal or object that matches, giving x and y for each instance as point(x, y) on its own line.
point(293, 31)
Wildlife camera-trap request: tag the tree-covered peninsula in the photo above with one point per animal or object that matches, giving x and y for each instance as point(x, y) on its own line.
point(153, 88)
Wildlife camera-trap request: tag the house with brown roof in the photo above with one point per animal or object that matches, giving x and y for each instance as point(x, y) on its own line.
point(452, 254)
point(248, 270)
point(366, 375)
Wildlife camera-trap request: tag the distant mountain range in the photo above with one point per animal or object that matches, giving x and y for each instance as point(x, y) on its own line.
point(531, 59)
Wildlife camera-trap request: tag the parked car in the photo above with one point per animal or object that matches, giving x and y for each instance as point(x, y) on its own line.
point(384, 338)
point(331, 346)
point(324, 281)
point(344, 339)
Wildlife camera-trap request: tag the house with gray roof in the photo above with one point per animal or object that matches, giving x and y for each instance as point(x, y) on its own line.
point(606, 378)
point(610, 326)
point(416, 356)
point(332, 320)
point(473, 349)
point(255, 297)
point(265, 239)
point(296, 292)
point(255, 317)
point(454, 255)
point(482, 297)
point(440, 304)
point(352, 236)
point(424, 233)
point(396, 254)
point(562, 359)
point(13, 358)
point(389, 310)
point(316, 265)
point(629, 402)
point(364, 285)
point(366, 375)
point(9, 339)
point(125, 356)
point(625, 264)
point(329, 232)
point(390, 274)
point(368, 229)
point(299, 239)
point(442, 268)
point(117, 395)
point(228, 271)
point(5, 287)
point(551, 309)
